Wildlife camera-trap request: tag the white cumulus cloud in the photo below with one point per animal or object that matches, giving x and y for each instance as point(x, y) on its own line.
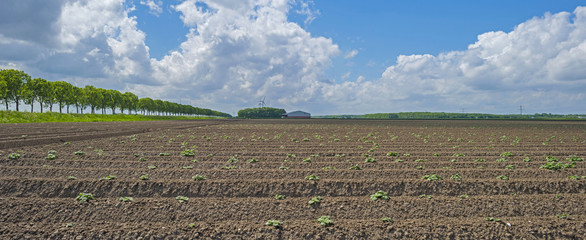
point(155, 7)
point(540, 64)
point(351, 54)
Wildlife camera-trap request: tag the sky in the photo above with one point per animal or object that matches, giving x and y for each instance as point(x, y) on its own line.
point(319, 56)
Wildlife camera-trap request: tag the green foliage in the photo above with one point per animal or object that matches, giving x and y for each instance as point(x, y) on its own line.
point(152, 167)
point(312, 177)
point(253, 160)
point(328, 168)
point(125, 199)
point(386, 220)
point(198, 177)
point(70, 178)
point(142, 159)
point(562, 215)
point(370, 160)
point(432, 177)
point(164, 154)
point(233, 159)
point(507, 154)
point(325, 221)
point(380, 195)
point(355, 167)
point(456, 177)
point(79, 153)
point(480, 160)
point(230, 167)
point(315, 200)
point(264, 112)
point(502, 177)
point(274, 223)
point(144, 177)
point(108, 178)
point(284, 168)
point(84, 197)
point(392, 154)
point(554, 166)
point(182, 199)
point(425, 196)
point(463, 196)
point(14, 156)
point(187, 153)
point(51, 156)
point(280, 197)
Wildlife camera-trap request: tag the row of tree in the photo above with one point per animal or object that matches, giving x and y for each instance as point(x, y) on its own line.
point(263, 112)
point(17, 86)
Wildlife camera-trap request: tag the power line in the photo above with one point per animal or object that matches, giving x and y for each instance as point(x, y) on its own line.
point(521, 109)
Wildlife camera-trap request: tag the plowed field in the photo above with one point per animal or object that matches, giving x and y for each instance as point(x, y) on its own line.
point(485, 179)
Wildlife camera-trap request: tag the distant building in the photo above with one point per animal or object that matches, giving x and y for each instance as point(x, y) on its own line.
point(297, 114)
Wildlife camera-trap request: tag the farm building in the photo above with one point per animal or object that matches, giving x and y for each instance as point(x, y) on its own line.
point(297, 114)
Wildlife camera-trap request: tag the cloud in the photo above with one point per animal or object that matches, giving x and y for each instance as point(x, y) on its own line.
point(540, 64)
point(345, 76)
point(240, 50)
point(306, 8)
point(351, 54)
point(155, 7)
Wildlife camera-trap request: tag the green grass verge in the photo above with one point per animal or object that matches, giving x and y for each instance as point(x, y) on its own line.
point(27, 117)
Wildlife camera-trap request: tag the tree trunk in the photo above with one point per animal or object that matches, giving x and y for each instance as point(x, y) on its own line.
point(60, 108)
point(32, 105)
point(6, 105)
point(51, 107)
point(67, 109)
point(17, 104)
point(41, 104)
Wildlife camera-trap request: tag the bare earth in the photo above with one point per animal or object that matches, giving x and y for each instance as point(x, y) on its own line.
point(37, 201)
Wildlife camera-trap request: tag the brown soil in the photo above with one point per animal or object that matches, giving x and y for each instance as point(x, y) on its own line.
point(39, 202)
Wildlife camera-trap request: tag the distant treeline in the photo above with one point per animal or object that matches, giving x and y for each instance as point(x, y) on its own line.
point(264, 112)
point(17, 86)
point(442, 115)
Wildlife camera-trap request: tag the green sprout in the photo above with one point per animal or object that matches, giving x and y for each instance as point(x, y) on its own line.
point(380, 195)
point(315, 200)
point(85, 197)
point(198, 177)
point(274, 223)
point(182, 199)
point(126, 199)
point(325, 221)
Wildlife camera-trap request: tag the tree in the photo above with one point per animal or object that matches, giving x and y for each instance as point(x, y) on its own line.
point(129, 102)
point(264, 112)
point(114, 99)
point(3, 89)
point(146, 105)
point(83, 98)
point(37, 89)
point(159, 106)
point(77, 97)
point(15, 81)
point(63, 93)
point(94, 97)
point(49, 94)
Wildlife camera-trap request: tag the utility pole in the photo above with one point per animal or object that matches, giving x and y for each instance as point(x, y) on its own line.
point(521, 109)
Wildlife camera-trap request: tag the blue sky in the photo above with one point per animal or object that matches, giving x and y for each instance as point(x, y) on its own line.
point(326, 57)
